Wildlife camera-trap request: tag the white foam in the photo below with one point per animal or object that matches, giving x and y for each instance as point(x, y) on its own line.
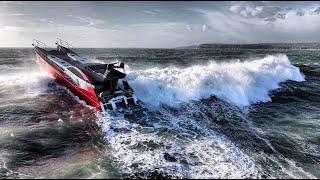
point(24, 83)
point(241, 83)
point(208, 156)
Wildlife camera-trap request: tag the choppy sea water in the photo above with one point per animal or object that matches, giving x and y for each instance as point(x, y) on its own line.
point(204, 114)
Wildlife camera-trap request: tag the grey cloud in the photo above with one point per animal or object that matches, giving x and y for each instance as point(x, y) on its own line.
point(316, 11)
point(87, 20)
point(11, 2)
point(270, 19)
point(281, 15)
point(157, 24)
point(300, 12)
point(269, 11)
point(13, 14)
point(204, 28)
point(289, 8)
point(49, 21)
point(290, 29)
point(188, 27)
point(152, 11)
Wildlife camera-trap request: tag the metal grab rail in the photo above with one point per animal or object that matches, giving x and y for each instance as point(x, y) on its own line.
point(39, 44)
point(113, 102)
point(64, 43)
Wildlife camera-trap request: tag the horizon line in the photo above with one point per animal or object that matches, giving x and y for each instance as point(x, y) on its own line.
point(168, 47)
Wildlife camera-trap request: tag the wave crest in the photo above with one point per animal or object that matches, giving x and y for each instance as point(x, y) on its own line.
point(240, 83)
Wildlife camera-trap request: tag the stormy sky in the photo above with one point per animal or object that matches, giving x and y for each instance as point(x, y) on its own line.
point(157, 24)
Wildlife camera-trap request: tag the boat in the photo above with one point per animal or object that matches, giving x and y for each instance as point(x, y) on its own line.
point(102, 86)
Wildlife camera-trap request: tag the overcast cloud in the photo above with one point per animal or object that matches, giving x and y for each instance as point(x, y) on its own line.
point(157, 24)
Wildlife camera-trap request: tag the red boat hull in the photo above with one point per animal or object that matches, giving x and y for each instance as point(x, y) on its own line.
point(89, 96)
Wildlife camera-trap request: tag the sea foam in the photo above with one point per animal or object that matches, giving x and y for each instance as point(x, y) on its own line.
point(240, 83)
point(24, 83)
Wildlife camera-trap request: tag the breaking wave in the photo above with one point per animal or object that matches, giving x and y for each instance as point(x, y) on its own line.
point(240, 83)
point(183, 143)
point(24, 83)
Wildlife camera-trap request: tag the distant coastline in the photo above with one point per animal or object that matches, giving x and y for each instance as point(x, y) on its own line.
point(315, 45)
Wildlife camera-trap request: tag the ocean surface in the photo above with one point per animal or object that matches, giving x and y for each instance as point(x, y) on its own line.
point(204, 113)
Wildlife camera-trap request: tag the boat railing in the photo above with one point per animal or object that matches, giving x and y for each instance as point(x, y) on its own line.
point(113, 102)
point(39, 44)
point(64, 43)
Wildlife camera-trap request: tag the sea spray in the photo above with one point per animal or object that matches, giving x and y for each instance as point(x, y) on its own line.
point(28, 83)
point(240, 83)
